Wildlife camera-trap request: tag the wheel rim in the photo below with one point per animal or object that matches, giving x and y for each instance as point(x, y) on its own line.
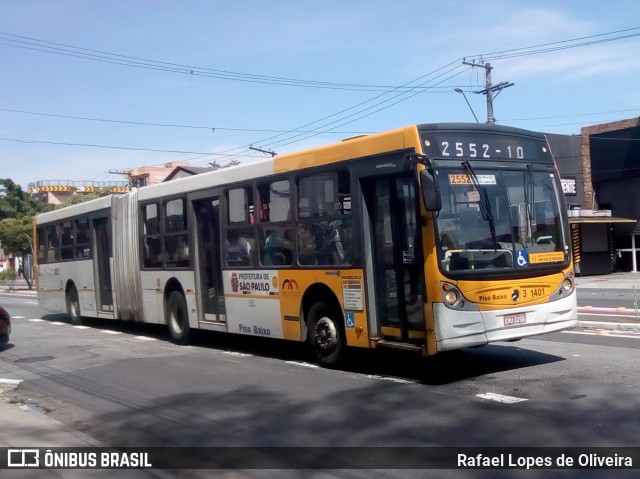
point(176, 319)
point(326, 335)
point(73, 304)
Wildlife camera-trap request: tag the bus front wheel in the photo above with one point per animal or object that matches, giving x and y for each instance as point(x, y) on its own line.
point(73, 306)
point(326, 335)
point(177, 316)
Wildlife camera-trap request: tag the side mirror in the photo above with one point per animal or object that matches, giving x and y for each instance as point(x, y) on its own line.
point(430, 190)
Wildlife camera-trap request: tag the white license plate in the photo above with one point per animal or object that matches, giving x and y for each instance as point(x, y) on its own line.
point(512, 319)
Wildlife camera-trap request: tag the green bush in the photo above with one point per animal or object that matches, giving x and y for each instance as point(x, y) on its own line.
point(8, 275)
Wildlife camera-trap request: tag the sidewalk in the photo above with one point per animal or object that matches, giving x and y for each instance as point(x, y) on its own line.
point(626, 280)
point(620, 320)
point(26, 428)
point(18, 288)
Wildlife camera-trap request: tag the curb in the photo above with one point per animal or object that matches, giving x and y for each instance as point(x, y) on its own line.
point(19, 293)
point(626, 327)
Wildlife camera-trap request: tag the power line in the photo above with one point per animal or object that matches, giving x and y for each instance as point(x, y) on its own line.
point(167, 125)
point(112, 147)
point(399, 98)
point(330, 126)
point(532, 50)
point(29, 43)
point(400, 93)
point(560, 45)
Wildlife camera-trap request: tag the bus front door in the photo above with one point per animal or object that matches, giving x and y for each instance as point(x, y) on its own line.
point(207, 213)
point(395, 257)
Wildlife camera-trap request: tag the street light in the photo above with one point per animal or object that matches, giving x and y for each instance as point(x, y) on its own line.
point(458, 90)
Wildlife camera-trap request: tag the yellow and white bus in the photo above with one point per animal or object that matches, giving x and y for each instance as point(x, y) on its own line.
point(428, 238)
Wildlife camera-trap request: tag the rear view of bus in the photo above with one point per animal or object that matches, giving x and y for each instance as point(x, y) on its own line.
point(497, 251)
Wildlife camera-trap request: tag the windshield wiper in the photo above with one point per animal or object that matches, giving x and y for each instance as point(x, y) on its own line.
point(529, 199)
point(484, 203)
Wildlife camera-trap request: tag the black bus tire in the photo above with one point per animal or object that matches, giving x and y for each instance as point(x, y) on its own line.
point(73, 306)
point(177, 317)
point(325, 333)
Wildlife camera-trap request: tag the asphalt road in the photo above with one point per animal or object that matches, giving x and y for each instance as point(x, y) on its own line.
point(125, 384)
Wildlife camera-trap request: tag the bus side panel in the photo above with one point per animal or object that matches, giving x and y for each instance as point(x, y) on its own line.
point(293, 284)
point(351, 293)
point(154, 288)
point(51, 290)
point(152, 299)
point(52, 282)
point(346, 285)
point(252, 302)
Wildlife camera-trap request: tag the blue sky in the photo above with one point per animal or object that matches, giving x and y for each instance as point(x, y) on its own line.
point(149, 82)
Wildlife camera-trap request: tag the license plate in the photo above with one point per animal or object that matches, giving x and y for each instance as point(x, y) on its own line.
point(512, 319)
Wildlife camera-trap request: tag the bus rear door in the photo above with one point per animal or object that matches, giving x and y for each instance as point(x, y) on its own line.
point(102, 262)
point(209, 269)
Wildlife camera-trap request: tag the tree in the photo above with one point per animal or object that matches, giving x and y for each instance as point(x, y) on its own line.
point(16, 211)
point(15, 203)
point(16, 235)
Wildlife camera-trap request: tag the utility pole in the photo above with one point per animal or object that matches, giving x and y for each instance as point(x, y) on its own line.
point(266, 152)
point(126, 173)
point(489, 88)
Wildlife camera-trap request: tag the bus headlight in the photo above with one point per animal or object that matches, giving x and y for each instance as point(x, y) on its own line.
point(451, 296)
point(567, 287)
point(568, 283)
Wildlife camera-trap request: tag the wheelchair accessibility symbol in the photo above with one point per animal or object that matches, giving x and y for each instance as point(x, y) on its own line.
point(522, 259)
point(351, 320)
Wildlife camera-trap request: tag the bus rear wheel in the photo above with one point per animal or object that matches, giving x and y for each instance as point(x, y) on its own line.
point(325, 335)
point(177, 317)
point(73, 306)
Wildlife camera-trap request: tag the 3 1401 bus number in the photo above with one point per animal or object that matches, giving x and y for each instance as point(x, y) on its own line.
point(532, 293)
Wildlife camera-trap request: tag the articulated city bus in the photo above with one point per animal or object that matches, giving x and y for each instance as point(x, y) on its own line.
point(428, 238)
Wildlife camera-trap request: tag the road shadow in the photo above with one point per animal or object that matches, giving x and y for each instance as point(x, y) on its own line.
point(443, 368)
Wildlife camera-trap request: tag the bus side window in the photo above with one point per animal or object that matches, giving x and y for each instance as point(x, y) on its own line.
point(152, 252)
point(275, 233)
point(83, 239)
point(53, 244)
point(67, 240)
point(42, 244)
point(176, 238)
point(240, 202)
point(325, 227)
point(276, 246)
point(241, 247)
point(151, 241)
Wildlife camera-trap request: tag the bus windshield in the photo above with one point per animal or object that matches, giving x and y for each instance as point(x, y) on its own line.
point(498, 219)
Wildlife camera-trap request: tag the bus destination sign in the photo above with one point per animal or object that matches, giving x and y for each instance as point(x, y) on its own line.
point(463, 145)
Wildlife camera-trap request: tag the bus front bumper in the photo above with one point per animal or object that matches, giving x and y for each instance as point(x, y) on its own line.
point(462, 329)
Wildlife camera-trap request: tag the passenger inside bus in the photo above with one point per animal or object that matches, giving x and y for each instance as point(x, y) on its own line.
point(276, 250)
point(240, 247)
